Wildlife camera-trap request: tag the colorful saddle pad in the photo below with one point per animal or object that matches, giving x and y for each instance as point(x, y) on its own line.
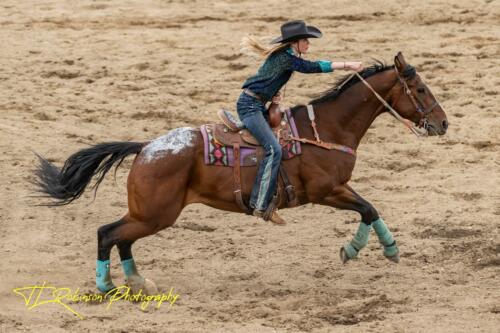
point(217, 153)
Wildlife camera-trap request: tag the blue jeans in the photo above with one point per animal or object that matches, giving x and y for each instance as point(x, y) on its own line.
point(251, 112)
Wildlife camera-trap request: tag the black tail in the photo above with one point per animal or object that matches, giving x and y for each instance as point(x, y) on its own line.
point(67, 184)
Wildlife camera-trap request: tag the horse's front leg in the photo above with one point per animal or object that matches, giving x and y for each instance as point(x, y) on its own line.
point(344, 197)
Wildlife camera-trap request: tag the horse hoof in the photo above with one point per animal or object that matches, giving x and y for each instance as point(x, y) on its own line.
point(150, 287)
point(394, 258)
point(343, 255)
point(137, 283)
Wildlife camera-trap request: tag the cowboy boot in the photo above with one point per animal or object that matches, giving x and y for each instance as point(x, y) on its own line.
point(273, 216)
point(270, 214)
point(276, 219)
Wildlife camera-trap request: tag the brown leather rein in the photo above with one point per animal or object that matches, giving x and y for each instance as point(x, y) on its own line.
point(422, 129)
point(329, 145)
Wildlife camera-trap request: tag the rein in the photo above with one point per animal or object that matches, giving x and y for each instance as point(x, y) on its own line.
point(419, 131)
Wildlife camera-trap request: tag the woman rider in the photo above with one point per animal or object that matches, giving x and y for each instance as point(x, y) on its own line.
point(281, 61)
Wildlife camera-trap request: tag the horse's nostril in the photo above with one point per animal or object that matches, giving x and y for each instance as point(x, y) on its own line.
point(445, 124)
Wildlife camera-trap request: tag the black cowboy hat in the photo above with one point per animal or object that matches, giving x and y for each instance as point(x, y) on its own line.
point(294, 30)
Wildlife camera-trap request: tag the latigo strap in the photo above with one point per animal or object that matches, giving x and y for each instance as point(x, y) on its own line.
point(237, 179)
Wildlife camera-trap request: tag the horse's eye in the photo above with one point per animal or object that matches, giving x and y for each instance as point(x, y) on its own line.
point(421, 90)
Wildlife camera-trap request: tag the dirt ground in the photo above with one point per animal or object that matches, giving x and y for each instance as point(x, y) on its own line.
point(73, 73)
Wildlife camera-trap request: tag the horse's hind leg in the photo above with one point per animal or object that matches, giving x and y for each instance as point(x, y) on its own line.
point(105, 242)
point(128, 234)
point(122, 233)
point(344, 197)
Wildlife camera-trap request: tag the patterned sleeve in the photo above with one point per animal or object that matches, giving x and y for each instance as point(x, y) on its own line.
point(306, 66)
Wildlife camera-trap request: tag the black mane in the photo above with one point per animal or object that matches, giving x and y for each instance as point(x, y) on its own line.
point(334, 92)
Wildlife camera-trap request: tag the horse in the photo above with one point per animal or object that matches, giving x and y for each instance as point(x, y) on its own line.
point(169, 173)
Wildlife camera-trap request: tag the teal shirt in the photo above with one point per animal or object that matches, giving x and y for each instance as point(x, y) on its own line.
point(277, 69)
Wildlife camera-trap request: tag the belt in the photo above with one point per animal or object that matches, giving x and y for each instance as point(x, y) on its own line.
point(254, 95)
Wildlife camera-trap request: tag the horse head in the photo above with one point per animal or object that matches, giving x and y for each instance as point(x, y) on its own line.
point(413, 99)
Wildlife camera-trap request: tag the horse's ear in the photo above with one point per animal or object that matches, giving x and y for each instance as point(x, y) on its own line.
point(400, 61)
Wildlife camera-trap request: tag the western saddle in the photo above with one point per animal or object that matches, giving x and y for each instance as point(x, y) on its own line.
point(232, 125)
point(232, 133)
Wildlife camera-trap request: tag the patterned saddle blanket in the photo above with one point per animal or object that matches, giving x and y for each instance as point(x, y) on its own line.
point(219, 140)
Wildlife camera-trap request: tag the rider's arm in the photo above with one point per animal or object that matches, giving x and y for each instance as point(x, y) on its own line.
point(321, 66)
point(298, 64)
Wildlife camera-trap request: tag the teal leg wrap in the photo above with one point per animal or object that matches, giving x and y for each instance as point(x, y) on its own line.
point(129, 267)
point(359, 241)
point(132, 277)
point(103, 276)
point(385, 238)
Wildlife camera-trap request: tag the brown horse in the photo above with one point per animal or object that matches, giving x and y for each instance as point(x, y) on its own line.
point(169, 173)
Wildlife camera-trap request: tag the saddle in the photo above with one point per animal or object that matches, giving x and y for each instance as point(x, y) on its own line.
point(232, 125)
point(228, 132)
point(230, 144)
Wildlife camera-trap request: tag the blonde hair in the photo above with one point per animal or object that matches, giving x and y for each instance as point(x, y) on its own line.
point(251, 46)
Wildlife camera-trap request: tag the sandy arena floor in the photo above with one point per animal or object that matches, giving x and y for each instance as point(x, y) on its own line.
point(74, 73)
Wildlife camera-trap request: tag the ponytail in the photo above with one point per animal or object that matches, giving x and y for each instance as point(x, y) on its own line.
point(251, 46)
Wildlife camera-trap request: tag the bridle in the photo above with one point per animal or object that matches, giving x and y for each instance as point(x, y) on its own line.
point(409, 71)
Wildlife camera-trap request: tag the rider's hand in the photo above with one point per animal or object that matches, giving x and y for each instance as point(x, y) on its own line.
point(354, 65)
